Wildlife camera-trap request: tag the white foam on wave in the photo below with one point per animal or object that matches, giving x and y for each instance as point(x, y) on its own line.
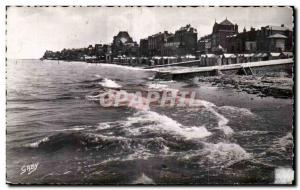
point(253, 132)
point(220, 155)
point(162, 86)
point(157, 86)
point(282, 144)
point(284, 175)
point(93, 98)
point(101, 137)
point(143, 179)
point(222, 121)
point(109, 83)
point(286, 140)
point(237, 110)
point(226, 153)
point(102, 126)
point(105, 162)
point(37, 143)
point(156, 121)
point(140, 152)
point(73, 129)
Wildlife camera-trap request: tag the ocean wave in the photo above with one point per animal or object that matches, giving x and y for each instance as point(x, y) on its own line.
point(286, 140)
point(161, 86)
point(102, 126)
point(222, 120)
point(253, 132)
point(220, 155)
point(96, 79)
point(37, 143)
point(140, 153)
point(283, 144)
point(83, 141)
point(232, 110)
point(93, 97)
point(36, 100)
point(108, 83)
point(226, 153)
point(77, 128)
point(157, 86)
point(143, 179)
point(154, 121)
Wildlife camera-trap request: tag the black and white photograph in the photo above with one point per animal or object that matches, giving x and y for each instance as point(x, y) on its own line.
point(150, 95)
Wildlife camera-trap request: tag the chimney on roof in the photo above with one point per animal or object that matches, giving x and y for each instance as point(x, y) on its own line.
point(282, 25)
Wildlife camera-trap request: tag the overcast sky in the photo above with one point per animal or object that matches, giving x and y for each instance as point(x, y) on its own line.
point(32, 30)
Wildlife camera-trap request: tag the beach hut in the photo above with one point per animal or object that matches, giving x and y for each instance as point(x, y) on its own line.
point(202, 60)
point(240, 58)
point(260, 57)
point(169, 59)
point(165, 60)
point(211, 59)
point(256, 57)
point(246, 57)
point(132, 60)
point(188, 58)
point(264, 56)
point(287, 54)
point(249, 57)
point(143, 60)
point(228, 58)
point(274, 55)
point(157, 60)
point(172, 59)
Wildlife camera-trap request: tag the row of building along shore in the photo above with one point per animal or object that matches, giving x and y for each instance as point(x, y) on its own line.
point(225, 45)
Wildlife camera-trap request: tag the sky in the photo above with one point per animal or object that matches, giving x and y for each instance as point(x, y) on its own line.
point(33, 30)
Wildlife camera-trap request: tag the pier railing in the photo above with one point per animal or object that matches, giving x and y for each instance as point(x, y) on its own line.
point(170, 73)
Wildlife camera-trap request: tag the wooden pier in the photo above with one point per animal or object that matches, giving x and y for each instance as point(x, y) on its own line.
point(187, 72)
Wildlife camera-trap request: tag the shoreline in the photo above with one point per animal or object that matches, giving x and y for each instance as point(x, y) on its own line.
point(272, 84)
point(96, 63)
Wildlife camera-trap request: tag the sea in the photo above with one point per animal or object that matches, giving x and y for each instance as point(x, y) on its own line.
point(57, 133)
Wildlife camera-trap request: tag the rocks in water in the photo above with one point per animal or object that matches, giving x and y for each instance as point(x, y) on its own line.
point(279, 87)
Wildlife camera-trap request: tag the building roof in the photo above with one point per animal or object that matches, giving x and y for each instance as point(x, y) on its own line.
point(249, 55)
point(261, 55)
point(279, 28)
point(188, 27)
point(226, 22)
point(189, 56)
point(209, 55)
point(228, 55)
point(277, 36)
point(275, 54)
point(156, 57)
point(288, 53)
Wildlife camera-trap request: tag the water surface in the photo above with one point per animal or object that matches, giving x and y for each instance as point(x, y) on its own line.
point(51, 120)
